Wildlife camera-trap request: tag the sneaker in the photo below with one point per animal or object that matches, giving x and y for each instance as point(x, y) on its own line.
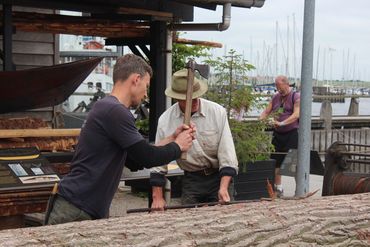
point(279, 193)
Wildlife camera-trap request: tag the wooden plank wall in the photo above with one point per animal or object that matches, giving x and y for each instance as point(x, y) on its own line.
point(32, 50)
point(321, 140)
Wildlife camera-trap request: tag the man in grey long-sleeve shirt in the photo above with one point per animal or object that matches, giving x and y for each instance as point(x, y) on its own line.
point(211, 162)
point(108, 139)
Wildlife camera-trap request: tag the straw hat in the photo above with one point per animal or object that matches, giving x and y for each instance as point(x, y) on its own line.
point(177, 90)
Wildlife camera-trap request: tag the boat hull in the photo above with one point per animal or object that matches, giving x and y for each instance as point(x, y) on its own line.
point(42, 87)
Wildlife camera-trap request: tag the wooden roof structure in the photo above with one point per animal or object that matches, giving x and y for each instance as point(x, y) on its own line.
point(108, 18)
point(138, 24)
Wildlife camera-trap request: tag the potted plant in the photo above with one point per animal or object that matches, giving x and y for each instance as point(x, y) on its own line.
point(253, 145)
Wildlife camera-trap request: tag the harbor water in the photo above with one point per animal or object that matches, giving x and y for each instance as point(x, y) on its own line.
point(339, 109)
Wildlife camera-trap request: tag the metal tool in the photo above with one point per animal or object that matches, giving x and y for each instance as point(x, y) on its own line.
point(143, 210)
point(203, 70)
point(346, 170)
point(50, 203)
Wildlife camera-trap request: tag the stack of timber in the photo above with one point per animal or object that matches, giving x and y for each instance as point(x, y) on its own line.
point(34, 132)
point(17, 197)
point(22, 201)
point(327, 221)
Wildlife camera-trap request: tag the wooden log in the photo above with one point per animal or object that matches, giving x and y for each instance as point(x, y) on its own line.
point(197, 42)
point(79, 25)
point(23, 133)
point(43, 143)
point(22, 123)
point(327, 221)
point(93, 30)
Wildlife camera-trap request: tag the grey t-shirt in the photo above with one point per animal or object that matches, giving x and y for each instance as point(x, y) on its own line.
point(99, 158)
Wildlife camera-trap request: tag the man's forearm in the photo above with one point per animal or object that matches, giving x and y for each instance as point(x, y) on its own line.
point(165, 141)
point(266, 112)
point(225, 182)
point(263, 115)
point(291, 119)
point(288, 121)
point(157, 192)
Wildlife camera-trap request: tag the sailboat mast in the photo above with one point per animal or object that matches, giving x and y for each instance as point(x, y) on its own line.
point(287, 49)
point(276, 51)
point(317, 66)
point(323, 67)
point(294, 54)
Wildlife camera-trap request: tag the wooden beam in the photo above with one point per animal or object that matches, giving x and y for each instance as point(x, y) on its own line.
point(79, 25)
point(78, 6)
point(24, 133)
point(136, 51)
point(157, 15)
point(67, 19)
point(197, 42)
point(122, 41)
point(100, 31)
point(145, 50)
point(102, 6)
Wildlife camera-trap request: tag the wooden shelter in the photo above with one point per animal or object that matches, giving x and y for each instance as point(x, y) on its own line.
point(30, 31)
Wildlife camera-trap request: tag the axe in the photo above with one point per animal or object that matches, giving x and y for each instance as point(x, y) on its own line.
point(203, 70)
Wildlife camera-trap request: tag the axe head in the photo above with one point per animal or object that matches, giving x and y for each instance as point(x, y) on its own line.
point(203, 69)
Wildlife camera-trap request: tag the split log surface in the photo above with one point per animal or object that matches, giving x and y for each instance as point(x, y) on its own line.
point(328, 221)
point(22, 123)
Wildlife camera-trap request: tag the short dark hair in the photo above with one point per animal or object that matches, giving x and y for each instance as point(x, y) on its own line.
point(129, 64)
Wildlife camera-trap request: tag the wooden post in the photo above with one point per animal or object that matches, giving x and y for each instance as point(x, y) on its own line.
point(7, 37)
point(353, 107)
point(157, 97)
point(326, 113)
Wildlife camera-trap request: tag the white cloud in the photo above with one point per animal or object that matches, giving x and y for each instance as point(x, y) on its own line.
point(339, 24)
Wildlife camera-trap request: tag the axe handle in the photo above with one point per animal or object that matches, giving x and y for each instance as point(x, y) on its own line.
point(189, 97)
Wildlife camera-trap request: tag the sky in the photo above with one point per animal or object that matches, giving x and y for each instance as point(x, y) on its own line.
point(341, 41)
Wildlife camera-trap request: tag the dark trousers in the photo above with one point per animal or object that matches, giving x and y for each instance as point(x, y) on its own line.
point(200, 188)
point(282, 143)
point(63, 212)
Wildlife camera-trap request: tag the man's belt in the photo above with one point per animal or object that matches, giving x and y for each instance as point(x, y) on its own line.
point(205, 171)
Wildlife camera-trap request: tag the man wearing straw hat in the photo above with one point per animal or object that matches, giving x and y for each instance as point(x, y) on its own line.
point(211, 161)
